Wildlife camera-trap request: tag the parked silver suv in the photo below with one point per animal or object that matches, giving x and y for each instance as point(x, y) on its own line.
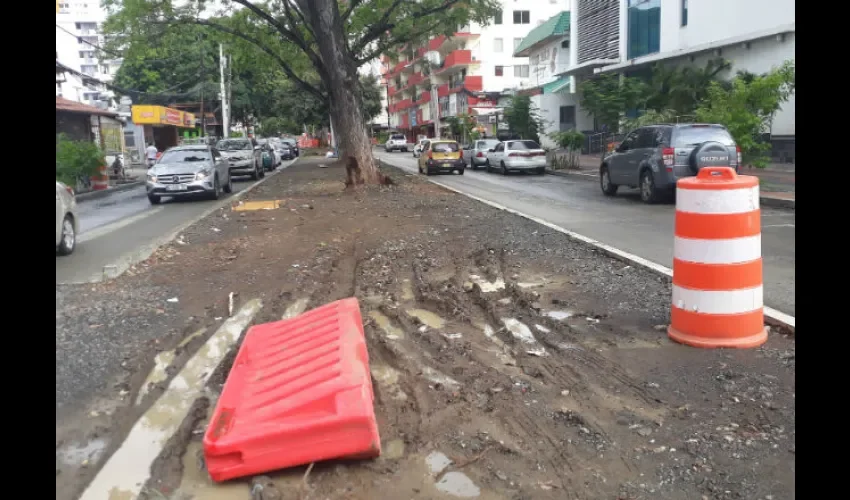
point(189, 170)
point(654, 157)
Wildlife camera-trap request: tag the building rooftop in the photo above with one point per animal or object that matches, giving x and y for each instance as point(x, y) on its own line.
point(556, 26)
point(69, 106)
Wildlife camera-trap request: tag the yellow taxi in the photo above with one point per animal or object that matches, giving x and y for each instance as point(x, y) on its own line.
point(439, 155)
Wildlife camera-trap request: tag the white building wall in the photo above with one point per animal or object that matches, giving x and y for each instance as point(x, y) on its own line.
point(553, 60)
point(68, 48)
point(714, 20)
point(539, 11)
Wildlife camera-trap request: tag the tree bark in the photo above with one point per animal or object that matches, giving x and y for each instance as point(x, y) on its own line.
point(324, 19)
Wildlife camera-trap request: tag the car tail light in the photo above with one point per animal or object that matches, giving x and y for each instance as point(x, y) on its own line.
point(740, 157)
point(513, 155)
point(430, 155)
point(668, 156)
point(70, 190)
point(461, 154)
point(480, 154)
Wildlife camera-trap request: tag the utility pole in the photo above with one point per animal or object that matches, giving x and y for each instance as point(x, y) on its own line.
point(203, 81)
point(225, 119)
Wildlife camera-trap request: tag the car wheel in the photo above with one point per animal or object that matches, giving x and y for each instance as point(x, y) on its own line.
point(648, 191)
point(487, 166)
point(460, 171)
point(428, 171)
point(69, 237)
point(216, 192)
point(262, 172)
point(254, 173)
point(228, 188)
point(504, 169)
point(608, 187)
point(404, 150)
point(541, 170)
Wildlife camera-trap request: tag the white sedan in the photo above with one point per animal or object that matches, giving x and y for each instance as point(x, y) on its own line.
point(66, 219)
point(516, 155)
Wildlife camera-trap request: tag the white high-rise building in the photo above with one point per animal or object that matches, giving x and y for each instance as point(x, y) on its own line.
point(465, 73)
point(78, 33)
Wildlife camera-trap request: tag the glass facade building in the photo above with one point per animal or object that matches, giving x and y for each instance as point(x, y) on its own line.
point(644, 28)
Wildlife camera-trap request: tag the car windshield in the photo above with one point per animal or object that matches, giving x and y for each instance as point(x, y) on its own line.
point(444, 147)
point(397, 137)
point(523, 145)
point(231, 145)
point(185, 155)
point(486, 144)
point(692, 136)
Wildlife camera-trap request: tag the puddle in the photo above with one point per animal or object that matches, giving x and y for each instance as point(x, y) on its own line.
point(407, 290)
point(296, 308)
point(522, 333)
point(190, 338)
point(129, 467)
point(390, 331)
point(158, 373)
point(427, 318)
point(77, 454)
point(387, 379)
point(487, 286)
point(529, 285)
point(196, 482)
point(559, 315)
point(436, 377)
point(504, 357)
point(393, 450)
point(458, 484)
point(437, 462)
point(247, 206)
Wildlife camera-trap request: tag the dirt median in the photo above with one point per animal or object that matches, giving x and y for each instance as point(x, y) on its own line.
point(508, 360)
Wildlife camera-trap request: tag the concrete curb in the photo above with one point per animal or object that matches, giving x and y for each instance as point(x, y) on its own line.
point(94, 195)
point(124, 262)
point(767, 201)
point(772, 317)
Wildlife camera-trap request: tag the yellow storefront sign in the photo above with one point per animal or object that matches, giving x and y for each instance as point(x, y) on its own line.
point(160, 115)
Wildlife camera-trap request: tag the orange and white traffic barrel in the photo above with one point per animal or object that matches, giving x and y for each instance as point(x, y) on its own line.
point(101, 180)
point(717, 264)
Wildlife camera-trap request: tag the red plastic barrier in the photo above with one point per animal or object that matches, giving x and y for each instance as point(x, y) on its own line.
point(299, 391)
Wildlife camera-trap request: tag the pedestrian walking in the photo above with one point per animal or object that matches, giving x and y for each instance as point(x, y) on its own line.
point(151, 154)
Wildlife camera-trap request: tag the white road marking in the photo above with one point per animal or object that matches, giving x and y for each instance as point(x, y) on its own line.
point(772, 314)
point(127, 470)
point(114, 226)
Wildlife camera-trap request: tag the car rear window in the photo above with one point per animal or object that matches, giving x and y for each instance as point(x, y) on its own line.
point(397, 137)
point(486, 144)
point(444, 147)
point(523, 145)
point(689, 136)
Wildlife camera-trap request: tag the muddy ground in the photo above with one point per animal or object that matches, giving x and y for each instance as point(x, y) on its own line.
point(509, 362)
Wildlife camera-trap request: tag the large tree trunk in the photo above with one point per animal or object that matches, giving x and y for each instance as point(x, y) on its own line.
point(353, 140)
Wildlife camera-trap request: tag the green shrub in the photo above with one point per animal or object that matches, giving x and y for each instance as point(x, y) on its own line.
point(75, 159)
point(572, 141)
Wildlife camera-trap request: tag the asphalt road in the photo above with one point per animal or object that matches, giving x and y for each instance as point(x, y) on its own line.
point(113, 227)
point(576, 203)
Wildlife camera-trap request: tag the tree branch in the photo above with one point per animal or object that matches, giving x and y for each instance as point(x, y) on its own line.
point(384, 25)
point(290, 14)
point(352, 4)
point(382, 48)
point(287, 69)
point(290, 34)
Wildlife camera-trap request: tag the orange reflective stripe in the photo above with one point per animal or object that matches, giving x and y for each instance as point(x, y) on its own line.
point(699, 276)
point(717, 226)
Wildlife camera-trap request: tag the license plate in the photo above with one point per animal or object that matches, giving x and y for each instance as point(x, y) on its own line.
point(175, 187)
point(447, 165)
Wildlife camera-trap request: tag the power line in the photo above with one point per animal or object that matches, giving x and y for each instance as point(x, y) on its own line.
point(98, 47)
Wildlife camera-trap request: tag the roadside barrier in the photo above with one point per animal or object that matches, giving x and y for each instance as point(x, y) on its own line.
point(101, 180)
point(300, 391)
point(717, 264)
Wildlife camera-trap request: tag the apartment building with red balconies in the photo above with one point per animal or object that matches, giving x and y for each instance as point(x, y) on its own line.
point(461, 74)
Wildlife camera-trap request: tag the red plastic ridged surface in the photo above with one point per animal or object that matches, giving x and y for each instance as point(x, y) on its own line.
point(299, 392)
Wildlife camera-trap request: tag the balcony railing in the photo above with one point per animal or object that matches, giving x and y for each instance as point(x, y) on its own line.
point(415, 79)
point(443, 90)
point(473, 83)
point(424, 98)
point(457, 58)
